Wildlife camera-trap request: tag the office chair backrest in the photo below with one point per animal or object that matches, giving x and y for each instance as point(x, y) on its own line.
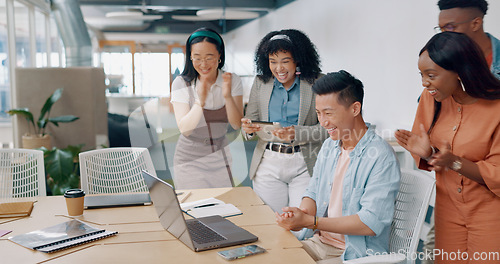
point(115, 170)
point(22, 173)
point(411, 208)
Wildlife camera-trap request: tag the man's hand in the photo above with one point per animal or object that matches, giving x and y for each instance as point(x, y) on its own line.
point(294, 219)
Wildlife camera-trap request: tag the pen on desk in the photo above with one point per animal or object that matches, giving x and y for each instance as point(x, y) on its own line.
point(179, 193)
point(205, 205)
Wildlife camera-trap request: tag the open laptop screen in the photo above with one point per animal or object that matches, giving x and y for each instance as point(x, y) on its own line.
point(168, 209)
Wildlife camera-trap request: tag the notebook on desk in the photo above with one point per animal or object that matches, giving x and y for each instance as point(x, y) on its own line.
point(116, 199)
point(202, 233)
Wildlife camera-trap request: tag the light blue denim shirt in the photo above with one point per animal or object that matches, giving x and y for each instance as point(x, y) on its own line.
point(284, 104)
point(495, 47)
point(370, 185)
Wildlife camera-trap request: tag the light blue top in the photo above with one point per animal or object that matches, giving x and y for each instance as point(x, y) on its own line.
point(495, 47)
point(370, 185)
point(284, 104)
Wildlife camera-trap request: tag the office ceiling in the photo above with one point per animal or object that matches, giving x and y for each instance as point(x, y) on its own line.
point(173, 16)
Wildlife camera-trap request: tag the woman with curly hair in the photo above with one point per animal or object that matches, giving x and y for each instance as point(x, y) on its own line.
point(287, 66)
point(206, 101)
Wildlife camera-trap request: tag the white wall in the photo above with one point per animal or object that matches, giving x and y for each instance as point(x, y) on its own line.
point(376, 40)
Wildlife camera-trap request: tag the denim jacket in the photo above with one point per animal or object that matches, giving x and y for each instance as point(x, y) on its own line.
point(370, 185)
point(495, 47)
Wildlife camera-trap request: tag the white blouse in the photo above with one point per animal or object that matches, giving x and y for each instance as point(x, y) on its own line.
point(215, 99)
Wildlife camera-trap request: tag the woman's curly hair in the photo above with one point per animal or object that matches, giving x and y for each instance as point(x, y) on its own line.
point(300, 46)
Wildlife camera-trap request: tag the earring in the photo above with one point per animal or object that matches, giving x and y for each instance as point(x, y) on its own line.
point(220, 60)
point(297, 70)
point(462, 84)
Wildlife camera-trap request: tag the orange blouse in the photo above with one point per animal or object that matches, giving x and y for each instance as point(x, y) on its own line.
point(473, 131)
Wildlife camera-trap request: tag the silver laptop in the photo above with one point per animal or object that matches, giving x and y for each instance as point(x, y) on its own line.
point(116, 200)
point(199, 233)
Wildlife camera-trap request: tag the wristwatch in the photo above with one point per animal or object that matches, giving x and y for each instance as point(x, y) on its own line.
point(456, 165)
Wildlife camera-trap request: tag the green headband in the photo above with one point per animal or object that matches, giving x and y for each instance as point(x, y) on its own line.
point(208, 34)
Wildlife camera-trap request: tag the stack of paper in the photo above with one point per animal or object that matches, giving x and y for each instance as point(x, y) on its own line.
point(209, 207)
point(16, 209)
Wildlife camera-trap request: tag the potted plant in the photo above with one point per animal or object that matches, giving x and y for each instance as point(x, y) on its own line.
point(38, 137)
point(62, 168)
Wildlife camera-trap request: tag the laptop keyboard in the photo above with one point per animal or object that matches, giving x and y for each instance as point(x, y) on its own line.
point(201, 233)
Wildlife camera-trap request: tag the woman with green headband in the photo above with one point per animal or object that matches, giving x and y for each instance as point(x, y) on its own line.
point(207, 102)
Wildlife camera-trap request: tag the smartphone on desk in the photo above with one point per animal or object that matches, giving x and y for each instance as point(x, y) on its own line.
point(241, 252)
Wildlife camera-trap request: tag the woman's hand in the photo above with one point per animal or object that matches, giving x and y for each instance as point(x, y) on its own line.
point(226, 85)
point(202, 87)
point(418, 144)
point(286, 133)
point(248, 127)
point(443, 159)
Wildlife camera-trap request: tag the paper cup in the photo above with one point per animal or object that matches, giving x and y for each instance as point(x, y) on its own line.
point(74, 201)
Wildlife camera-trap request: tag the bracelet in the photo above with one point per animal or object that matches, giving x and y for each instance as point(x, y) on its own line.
point(315, 226)
point(433, 151)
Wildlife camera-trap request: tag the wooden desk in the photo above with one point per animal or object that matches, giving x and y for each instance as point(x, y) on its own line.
point(142, 239)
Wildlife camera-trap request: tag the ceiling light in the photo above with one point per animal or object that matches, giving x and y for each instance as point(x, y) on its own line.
point(132, 15)
point(219, 13)
point(189, 18)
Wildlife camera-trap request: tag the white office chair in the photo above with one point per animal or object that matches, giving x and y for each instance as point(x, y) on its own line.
point(22, 173)
point(115, 170)
point(412, 202)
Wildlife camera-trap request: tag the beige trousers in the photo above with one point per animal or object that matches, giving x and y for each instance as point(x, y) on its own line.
point(321, 252)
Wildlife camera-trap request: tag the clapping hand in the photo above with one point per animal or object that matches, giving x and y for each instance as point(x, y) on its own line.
point(293, 218)
point(203, 87)
point(443, 159)
point(418, 144)
point(226, 85)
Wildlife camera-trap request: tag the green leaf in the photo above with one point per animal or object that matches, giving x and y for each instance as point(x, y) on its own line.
point(75, 150)
point(59, 164)
point(50, 101)
point(42, 123)
point(63, 119)
point(24, 112)
point(62, 168)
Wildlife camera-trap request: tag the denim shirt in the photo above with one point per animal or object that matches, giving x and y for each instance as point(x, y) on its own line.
point(495, 48)
point(370, 185)
point(284, 104)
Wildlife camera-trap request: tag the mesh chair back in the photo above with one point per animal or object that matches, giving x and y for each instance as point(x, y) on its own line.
point(411, 207)
point(22, 173)
point(115, 170)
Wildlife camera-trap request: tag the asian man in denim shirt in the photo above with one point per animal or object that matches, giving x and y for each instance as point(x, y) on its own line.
point(349, 203)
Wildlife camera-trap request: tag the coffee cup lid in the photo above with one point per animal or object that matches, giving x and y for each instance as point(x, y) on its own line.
point(74, 193)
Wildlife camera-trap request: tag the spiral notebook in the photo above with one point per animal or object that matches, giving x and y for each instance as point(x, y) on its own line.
point(61, 236)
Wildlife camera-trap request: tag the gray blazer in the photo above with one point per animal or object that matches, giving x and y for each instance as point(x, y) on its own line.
point(309, 134)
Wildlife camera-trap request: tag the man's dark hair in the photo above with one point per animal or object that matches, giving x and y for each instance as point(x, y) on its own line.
point(348, 88)
point(481, 5)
